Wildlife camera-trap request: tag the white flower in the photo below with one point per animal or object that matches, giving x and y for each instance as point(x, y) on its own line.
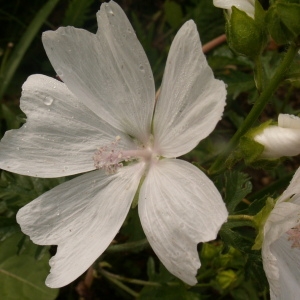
point(281, 140)
point(102, 115)
point(248, 6)
point(281, 245)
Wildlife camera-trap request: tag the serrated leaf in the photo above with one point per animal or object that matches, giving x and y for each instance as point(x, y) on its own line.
point(21, 276)
point(18, 190)
point(237, 186)
point(232, 238)
point(254, 270)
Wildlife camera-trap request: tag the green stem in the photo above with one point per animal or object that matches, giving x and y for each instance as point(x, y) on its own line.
point(118, 283)
point(259, 75)
point(257, 108)
point(241, 218)
point(139, 245)
point(129, 280)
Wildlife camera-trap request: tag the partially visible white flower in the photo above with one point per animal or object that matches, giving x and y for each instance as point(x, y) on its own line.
point(281, 244)
point(281, 140)
point(102, 117)
point(248, 6)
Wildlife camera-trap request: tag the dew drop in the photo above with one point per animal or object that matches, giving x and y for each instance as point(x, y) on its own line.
point(111, 12)
point(48, 100)
point(142, 69)
point(59, 72)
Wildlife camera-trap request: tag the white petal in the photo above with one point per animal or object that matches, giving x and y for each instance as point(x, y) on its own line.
point(283, 217)
point(288, 264)
point(288, 121)
point(81, 216)
point(279, 141)
point(179, 207)
point(108, 71)
point(191, 101)
point(60, 136)
point(245, 5)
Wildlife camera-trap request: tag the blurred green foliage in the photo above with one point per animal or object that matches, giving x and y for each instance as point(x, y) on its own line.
point(230, 268)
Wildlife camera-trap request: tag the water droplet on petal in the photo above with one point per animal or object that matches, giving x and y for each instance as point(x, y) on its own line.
point(142, 69)
point(48, 100)
point(59, 73)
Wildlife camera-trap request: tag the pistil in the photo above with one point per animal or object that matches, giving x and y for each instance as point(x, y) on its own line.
point(110, 157)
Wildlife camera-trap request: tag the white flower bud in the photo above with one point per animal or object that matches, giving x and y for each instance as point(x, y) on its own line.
point(281, 140)
point(248, 6)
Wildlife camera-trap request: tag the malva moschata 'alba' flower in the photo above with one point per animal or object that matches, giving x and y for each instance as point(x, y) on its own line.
point(281, 140)
point(281, 244)
point(103, 116)
point(248, 6)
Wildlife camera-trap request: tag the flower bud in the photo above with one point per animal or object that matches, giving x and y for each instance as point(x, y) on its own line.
point(282, 139)
point(245, 5)
point(245, 27)
point(226, 279)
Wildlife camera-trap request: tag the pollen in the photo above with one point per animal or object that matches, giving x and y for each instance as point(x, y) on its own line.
point(294, 236)
point(109, 157)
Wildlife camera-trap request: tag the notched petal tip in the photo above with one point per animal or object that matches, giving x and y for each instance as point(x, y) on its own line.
point(180, 207)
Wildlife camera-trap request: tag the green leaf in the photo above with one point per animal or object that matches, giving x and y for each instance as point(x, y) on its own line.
point(77, 12)
point(277, 29)
point(246, 291)
point(21, 276)
point(240, 241)
point(18, 190)
point(173, 14)
point(236, 186)
point(209, 20)
point(238, 82)
point(8, 227)
point(254, 270)
point(165, 291)
point(22, 46)
point(290, 16)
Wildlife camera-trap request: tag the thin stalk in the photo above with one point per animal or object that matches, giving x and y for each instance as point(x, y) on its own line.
point(241, 218)
point(131, 280)
point(257, 108)
point(132, 246)
point(259, 75)
point(118, 283)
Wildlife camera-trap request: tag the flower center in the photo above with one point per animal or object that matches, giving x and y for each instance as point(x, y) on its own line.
point(294, 236)
point(111, 157)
